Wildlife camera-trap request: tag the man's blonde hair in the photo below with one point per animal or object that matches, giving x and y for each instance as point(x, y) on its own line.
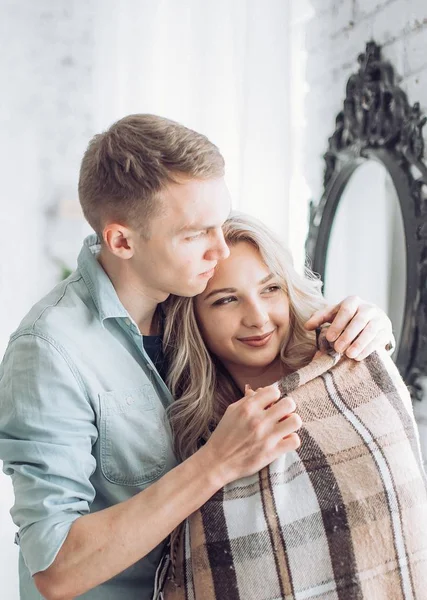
point(126, 167)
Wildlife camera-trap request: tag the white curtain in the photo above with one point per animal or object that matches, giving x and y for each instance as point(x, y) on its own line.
point(219, 67)
point(71, 69)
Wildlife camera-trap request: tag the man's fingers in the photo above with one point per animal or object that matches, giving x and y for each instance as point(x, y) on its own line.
point(360, 328)
point(354, 325)
point(321, 316)
point(263, 397)
point(339, 316)
point(361, 342)
point(346, 312)
point(284, 427)
point(379, 341)
point(281, 409)
point(366, 352)
point(289, 425)
point(289, 443)
point(248, 390)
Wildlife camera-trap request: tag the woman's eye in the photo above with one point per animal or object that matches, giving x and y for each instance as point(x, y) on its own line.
point(272, 288)
point(223, 301)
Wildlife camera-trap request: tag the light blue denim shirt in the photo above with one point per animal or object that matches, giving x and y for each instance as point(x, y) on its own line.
point(82, 421)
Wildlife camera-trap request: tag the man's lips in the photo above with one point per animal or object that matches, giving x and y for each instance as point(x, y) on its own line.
point(208, 273)
point(257, 340)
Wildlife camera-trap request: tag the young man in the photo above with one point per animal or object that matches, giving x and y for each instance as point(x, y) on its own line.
point(83, 432)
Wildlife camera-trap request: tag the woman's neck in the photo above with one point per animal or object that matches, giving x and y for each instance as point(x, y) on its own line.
point(257, 377)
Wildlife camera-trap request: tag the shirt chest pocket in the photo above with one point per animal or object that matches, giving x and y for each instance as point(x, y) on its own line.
point(133, 436)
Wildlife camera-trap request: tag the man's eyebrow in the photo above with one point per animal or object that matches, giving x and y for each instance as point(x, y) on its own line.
point(195, 227)
point(234, 290)
point(199, 226)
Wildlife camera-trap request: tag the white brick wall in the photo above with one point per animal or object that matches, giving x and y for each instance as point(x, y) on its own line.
point(365, 8)
point(45, 121)
point(416, 50)
point(46, 113)
point(335, 33)
point(69, 68)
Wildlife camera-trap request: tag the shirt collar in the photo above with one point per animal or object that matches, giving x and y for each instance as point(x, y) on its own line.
point(98, 283)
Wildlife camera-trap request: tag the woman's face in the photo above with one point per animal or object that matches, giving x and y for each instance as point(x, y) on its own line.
point(244, 313)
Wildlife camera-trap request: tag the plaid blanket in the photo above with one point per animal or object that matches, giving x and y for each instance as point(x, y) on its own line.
point(342, 518)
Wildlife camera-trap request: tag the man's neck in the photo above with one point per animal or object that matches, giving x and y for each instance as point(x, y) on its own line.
point(140, 305)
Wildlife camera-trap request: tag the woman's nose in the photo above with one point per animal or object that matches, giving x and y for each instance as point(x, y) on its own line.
point(255, 316)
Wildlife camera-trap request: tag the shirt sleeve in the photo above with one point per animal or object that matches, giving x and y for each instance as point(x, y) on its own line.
point(47, 429)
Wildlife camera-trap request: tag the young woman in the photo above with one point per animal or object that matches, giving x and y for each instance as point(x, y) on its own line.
point(336, 518)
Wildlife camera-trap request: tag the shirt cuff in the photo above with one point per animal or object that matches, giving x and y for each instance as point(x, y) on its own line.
point(41, 541)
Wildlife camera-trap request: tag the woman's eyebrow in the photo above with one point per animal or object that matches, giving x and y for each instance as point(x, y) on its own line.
point(221, 291)
point(230, 290)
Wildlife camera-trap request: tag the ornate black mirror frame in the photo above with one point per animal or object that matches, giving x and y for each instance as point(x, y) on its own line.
point(378, 123)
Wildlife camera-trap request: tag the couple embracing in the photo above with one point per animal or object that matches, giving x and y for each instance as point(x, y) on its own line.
point(172, 424)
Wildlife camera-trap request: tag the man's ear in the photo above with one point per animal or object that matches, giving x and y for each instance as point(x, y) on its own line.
point(119, 240)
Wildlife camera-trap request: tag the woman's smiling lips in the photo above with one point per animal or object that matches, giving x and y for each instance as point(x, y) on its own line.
point(257, 340)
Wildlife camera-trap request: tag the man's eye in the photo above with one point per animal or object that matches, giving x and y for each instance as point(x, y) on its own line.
point(195, 236)
point(223, 301)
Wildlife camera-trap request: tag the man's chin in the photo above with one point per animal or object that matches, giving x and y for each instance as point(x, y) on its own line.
point(192, 290)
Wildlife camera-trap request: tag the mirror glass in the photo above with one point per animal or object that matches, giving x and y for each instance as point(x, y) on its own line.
point(366, 253)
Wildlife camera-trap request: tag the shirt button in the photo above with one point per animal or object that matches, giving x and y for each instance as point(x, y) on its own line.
point(127, 321)
point(150, 367)
point(129, 400)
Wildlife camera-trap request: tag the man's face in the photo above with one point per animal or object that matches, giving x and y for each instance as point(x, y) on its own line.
point(186, 239)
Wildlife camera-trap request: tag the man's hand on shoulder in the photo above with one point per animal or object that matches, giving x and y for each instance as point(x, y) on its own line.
point(357, 328)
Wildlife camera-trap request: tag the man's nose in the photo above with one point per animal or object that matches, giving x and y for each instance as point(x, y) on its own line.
point(219, 249)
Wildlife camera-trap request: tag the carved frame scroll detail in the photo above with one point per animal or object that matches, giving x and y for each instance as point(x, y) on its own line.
point(378, 123)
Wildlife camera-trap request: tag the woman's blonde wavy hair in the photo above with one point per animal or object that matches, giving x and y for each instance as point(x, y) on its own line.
point(201, 386)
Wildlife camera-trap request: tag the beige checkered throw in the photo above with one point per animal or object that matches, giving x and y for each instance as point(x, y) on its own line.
point(342, 518)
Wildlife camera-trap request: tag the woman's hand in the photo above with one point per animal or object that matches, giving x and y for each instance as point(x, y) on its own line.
point(357, 327)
